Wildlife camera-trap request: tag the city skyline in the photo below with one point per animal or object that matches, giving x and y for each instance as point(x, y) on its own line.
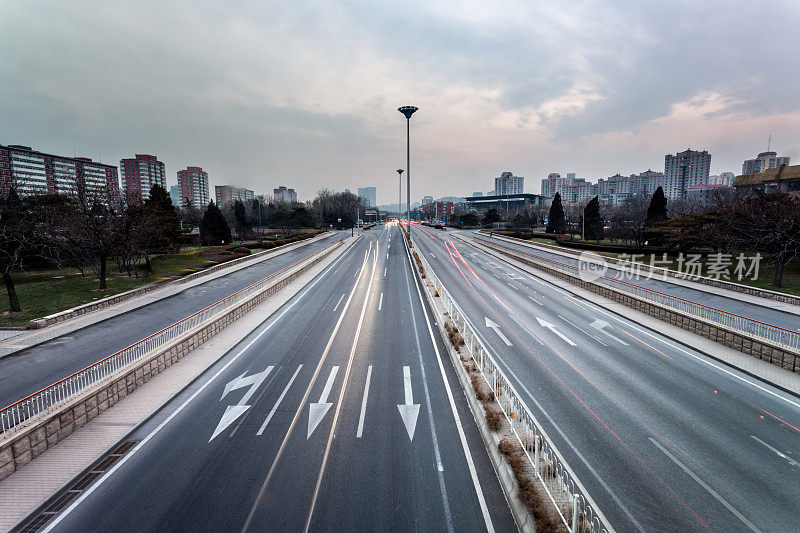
point(273, 112)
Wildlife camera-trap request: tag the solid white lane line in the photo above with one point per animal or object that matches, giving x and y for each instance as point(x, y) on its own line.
point(462, 437)
point(364, 404)
point(581, 330)
point(278, 403)
point(340, 401)
point(703, 484)
point(778, 452)
point(175, 413)
point(380, 304)
point(337, 303)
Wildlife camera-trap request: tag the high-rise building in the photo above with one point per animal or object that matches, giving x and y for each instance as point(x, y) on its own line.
point(194, 187)
point(684, 170)
point(369, 194)
point(175, 195)
point(725, 179)
point(508, 183)
point(554, 184)
point(226, 194)
point(282, 194)
point(763, 161)
point(139, 174)
point(477, 194)
point(30, 172)
point(427, 200)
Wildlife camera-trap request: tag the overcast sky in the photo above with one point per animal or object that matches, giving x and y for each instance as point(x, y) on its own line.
point(304, 94)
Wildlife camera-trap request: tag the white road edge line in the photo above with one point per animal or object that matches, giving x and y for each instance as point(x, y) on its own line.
point(468, 455)
point(278, 403)
point(364, 404)
point(703, 484)
point(213, 378)
point(780, 453)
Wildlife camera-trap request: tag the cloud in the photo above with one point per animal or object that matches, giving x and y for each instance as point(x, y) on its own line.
point(305, 94)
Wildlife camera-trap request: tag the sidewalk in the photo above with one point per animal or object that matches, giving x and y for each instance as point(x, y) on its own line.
point(31, 486)
point(20, 340)
point(719, 291)
point(773, 374)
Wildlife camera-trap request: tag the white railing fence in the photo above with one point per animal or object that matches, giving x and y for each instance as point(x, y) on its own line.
point(63, 390)
point(576, 509)
point(746, 326)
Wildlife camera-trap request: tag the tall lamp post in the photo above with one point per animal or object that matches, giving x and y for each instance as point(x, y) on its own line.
point(399, 193)
point(407, 111)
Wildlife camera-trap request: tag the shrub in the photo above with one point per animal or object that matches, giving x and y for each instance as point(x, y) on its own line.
point(242, 250)
point(224, 252)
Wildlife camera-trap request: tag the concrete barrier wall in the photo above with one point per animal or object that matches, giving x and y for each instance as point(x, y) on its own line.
point(727, 337)
point(22, 446)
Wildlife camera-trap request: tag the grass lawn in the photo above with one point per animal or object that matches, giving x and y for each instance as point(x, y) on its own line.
point(44, 292)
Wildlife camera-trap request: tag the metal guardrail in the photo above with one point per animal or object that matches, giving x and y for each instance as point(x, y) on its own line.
point(576, 509)
point(61, 391)
point(776, 335)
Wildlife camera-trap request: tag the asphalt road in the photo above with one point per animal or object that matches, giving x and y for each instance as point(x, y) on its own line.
point(662, 437)
point(341, 412)
point(30, 370)
point(732, 305)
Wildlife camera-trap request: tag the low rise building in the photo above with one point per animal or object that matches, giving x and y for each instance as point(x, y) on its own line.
point(784, 179)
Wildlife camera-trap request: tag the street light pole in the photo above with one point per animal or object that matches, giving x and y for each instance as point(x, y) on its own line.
point(399, 193)
point(407, 111)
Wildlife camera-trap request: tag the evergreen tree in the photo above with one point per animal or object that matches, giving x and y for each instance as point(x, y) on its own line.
point(656, 213)
point(491, 217)
point(593, 222)
point(214, 229)
point(162, 213)
point(557, 222)
point(243, 227)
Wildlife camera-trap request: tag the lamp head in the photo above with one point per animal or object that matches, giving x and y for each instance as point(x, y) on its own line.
point(400, 170)
point(408, 110)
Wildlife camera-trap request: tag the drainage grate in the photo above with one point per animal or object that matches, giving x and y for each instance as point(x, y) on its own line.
point(62, 500)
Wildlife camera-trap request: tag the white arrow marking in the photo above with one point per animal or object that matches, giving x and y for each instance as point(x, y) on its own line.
point(410, 410)
point(318, 410)
point(496, 328)
point(552, 328)
point(233, 412)
point(600, 324)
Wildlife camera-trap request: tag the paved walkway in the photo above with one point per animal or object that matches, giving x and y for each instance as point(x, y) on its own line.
point(25, 339)
point(28, 488)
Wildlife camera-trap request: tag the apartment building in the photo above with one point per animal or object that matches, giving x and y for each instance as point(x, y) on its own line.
point(139, 174)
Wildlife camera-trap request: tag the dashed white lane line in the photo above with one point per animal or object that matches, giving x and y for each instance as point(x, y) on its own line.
point(337, 303)
point(364, 404)
point(778, 452)
point(380, 303)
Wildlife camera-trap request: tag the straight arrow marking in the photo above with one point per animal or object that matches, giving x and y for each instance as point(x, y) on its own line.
point(410, 410)
point(496, 328)
point(599, 325)
point(552, 328)
point(318, 410)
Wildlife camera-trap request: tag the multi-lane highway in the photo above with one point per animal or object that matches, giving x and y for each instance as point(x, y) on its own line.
point(29, 370)
point(341, 412)
point(663, 438)
point(730, 303)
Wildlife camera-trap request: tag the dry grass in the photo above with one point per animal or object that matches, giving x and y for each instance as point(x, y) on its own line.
point(528, 492)
point(455, 337)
